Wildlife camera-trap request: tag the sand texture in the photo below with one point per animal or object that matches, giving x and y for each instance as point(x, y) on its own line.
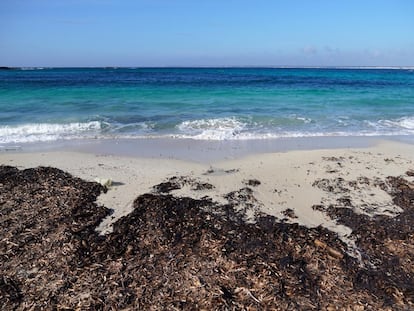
point(319, 229)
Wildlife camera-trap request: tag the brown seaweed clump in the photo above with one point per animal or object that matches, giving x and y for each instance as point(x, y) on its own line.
point(46, 217)
point(181, 253)
point(386, 245)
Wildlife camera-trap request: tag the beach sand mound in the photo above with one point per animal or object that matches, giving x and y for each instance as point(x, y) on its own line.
point(183, 253)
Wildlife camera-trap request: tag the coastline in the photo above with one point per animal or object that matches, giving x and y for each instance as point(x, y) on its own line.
point(287, 171)
point(322, 227)
point(200, 151)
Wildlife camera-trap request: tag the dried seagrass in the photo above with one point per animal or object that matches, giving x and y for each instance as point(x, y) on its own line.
point(182, 253)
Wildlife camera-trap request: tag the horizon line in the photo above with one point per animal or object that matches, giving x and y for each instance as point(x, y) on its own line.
point(212, 67)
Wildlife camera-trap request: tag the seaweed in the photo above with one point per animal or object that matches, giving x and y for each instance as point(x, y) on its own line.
point(183, 253)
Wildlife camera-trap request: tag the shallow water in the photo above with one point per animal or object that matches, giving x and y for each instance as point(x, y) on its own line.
point(51, 104)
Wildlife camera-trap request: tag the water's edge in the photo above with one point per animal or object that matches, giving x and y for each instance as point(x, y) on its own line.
point(200, 150)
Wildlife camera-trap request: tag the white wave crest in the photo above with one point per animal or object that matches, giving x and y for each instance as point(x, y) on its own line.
point(406, 122)
point(403, 126)
point(211, 129)
point(35, 132)
point(304, 120)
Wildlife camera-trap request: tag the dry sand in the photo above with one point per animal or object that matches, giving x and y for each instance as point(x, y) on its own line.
point(289, 185)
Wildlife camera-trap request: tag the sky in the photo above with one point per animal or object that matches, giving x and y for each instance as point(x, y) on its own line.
point(80, 33)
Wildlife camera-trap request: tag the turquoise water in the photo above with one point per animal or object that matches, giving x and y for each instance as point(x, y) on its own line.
point(203, 103)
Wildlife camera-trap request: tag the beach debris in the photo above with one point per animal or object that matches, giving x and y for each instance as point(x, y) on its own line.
point(106, 182)
point(252, 182)
point(197, 186)
point(370, 196)
point(165, 187)
point(334, 159)
point(183, 253)
point(410, 173)
point(178, 182)
point(331, 251)
point(289, 213)
point(220, 171)
point(10, 148)
point(243, 200)
point(335, 185)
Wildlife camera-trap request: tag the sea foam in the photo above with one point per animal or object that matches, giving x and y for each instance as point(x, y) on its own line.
point(232, 128)
point(211, 129)
point(47, 131)
point(406, 122)
point(203, 103)
point(400, 126)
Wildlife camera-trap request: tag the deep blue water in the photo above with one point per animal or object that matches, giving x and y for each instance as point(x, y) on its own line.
point(203, 103)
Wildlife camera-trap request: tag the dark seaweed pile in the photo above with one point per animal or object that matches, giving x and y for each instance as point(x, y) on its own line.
point(181, 253)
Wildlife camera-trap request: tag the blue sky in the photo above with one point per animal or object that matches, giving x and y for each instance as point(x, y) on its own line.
point(206, 33)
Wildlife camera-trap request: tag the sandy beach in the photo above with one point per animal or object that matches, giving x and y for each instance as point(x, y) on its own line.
point(298, 186)
point(207, 155)
point(294, 180)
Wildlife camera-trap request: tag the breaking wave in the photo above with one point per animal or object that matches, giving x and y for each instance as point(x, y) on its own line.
point(212, 129)
point(234, 129)
point(48, 131)
point(220, 129)
point(402, 123)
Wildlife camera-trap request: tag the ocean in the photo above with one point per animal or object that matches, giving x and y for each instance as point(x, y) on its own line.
point(51, 104)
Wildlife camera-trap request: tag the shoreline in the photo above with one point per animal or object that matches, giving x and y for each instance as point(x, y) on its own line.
point(323, 227)
point(288, 180)
point(201, 151)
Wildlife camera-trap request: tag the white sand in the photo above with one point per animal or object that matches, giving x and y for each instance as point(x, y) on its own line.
point(286, 179)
